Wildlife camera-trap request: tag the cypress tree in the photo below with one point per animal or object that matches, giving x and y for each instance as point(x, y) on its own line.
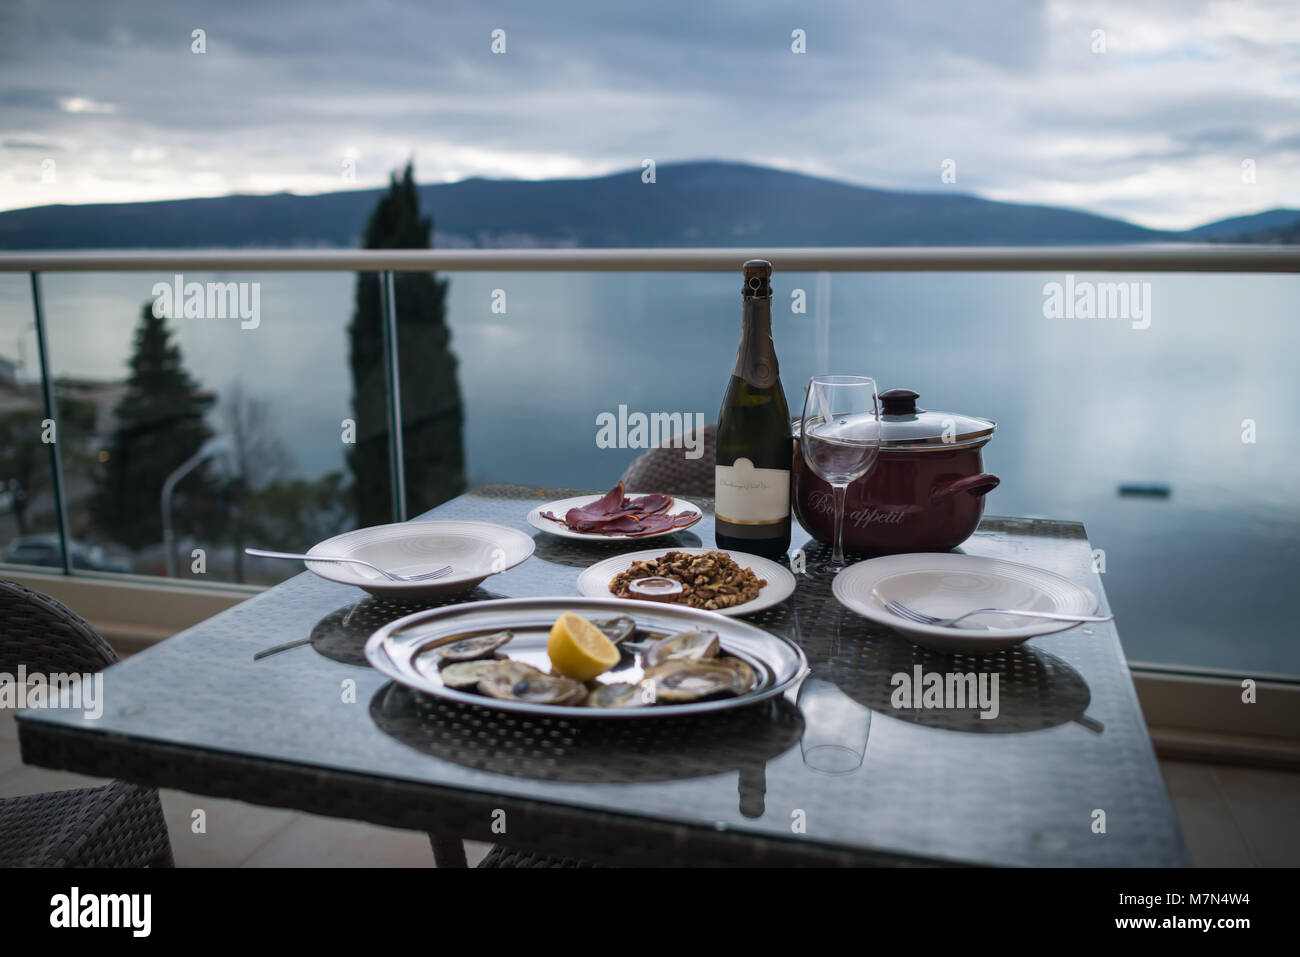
point(431, 410)
point(160, 424)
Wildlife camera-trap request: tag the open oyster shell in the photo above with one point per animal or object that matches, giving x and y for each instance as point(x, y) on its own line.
point(623, 695)
point(534, 688)
point(680, 680)
point(693, 645)
point(471, 649)
point(465, 675)
point(617, 630)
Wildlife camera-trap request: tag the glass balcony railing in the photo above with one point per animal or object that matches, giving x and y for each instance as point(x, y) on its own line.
point(1165, 424)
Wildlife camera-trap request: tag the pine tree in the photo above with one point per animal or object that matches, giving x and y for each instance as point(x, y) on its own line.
point(160, 424)
point(432, 415)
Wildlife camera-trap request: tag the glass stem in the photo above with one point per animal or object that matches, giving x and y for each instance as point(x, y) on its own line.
point(837, 552)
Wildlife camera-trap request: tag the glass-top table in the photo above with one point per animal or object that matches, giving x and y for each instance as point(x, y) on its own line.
point(1065, 775)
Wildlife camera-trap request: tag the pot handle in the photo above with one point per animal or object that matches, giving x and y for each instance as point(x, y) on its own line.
point(981, 483)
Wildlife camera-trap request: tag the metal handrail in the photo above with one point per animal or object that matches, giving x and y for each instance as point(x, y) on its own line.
point(1165, 257)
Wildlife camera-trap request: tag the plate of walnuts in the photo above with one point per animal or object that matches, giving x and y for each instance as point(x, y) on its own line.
point(728, 583)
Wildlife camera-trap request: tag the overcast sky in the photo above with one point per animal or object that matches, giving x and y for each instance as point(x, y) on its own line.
point(106, 101)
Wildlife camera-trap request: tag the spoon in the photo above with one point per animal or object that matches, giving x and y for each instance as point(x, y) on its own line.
point(391, 576)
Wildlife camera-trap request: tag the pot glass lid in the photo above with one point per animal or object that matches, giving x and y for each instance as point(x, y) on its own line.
point(905, 426)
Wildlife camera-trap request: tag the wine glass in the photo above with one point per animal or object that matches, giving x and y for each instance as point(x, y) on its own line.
point(840, 439)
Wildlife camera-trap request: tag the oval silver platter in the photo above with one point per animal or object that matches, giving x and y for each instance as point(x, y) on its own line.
point(401, 650)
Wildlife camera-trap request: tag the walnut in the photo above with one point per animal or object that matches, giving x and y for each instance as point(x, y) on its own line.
point(712, 580)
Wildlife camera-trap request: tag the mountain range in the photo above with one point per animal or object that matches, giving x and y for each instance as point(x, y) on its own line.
point(707, 204)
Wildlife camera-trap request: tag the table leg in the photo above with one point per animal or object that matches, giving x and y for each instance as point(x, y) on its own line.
point(448, 851)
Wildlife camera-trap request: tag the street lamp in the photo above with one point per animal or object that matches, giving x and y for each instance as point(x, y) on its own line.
point(212, 447)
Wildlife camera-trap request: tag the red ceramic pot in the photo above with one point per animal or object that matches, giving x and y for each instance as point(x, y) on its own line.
point(924, 494)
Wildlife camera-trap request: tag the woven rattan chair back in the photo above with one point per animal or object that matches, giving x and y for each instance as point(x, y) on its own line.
point(667, 469)
point(46, 636)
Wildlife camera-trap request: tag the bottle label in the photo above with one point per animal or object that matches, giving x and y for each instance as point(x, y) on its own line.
point(745, 495)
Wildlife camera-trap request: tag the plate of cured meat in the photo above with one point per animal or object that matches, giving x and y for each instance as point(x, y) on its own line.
point(614, 515)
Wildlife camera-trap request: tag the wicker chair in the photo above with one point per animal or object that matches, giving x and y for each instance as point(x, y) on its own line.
point(511, 857)
point(666, 468)
point(116, 825)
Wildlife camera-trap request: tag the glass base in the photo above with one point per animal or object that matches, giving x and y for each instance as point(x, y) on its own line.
point(833, 758)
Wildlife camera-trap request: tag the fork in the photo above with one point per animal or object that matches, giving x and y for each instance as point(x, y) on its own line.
point(921, 618)
point(391, 576)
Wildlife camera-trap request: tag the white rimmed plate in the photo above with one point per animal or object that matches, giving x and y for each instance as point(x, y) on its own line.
point(594, 581)
point(544, 524)
point(474, 550)
point(946, 585)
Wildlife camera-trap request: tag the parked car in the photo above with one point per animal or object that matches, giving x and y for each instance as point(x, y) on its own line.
point(44, 550)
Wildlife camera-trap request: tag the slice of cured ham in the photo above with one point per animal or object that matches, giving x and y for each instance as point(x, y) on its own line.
point(647, 505)
point(616, 514)
point(662, 523)
point(609, 505)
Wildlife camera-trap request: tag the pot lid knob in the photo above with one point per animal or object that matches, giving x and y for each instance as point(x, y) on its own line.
point(898, 402)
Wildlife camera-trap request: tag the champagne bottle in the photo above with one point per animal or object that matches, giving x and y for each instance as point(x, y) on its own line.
point(754, 442)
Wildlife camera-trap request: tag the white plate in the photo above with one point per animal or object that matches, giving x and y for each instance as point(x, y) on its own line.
point(945, 585)
point(474, 550)
point(559, 508)
point(594, 581)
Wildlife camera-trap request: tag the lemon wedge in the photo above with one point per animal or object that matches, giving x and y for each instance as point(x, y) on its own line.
point(579, 649)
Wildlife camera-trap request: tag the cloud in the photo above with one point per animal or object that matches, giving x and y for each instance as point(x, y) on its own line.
point(81, 104)
point(33, 143)
point(1154, 128)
